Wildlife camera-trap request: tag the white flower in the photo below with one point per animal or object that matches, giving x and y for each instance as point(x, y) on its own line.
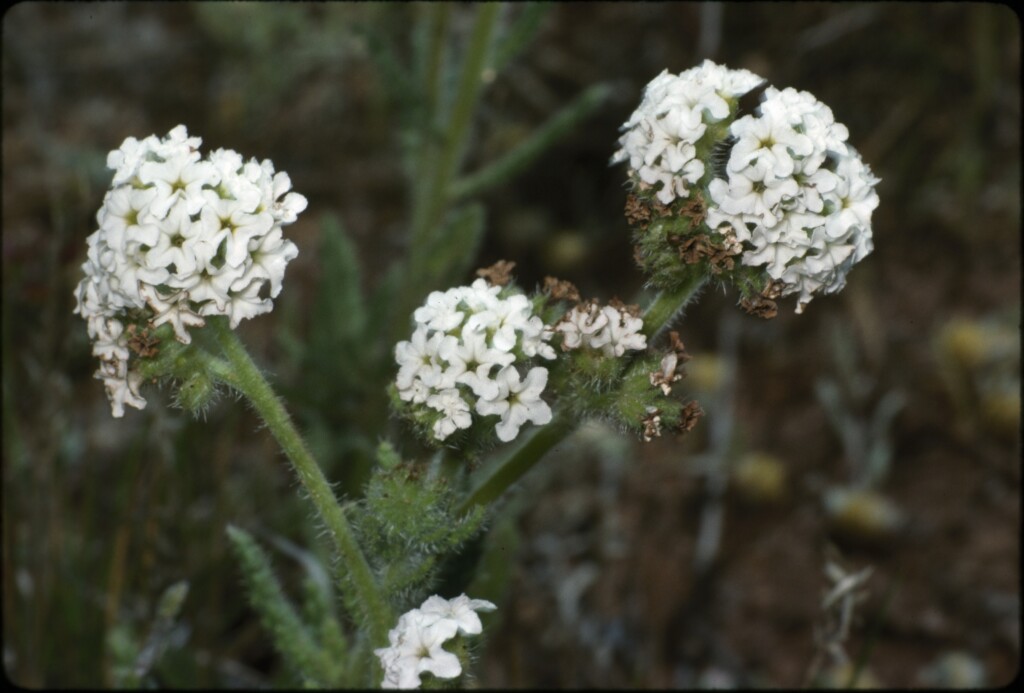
point(454, 410)
point(417, 358)
point(771, 143)
point(416, 649)
point(471, 360)
point(180, 178)
point(183, 237)
point(461, 610)
point(517, 402)
point(415, 643)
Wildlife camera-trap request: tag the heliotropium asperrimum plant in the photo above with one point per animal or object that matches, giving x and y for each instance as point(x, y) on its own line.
point(731, 181)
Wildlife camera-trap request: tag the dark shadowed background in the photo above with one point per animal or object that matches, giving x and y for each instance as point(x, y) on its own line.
point(880, 429)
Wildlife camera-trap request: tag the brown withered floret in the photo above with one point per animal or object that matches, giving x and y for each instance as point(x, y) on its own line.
point(676, 344)
point(637, 213)
point(760, 307)
point(142, 342)
point(773, 290)
point(693, 249)
point(691, 413)
point(722, 257)
point(631, 309)
point(561, 290)
point(763, 305)
point(694, 210)
point(667, 374)
point(498, 274)
point(652, 424)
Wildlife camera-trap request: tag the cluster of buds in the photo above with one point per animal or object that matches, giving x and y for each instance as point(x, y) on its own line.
point(613, 329)
point(180, 238)
point(772, 184)
point(416, 642)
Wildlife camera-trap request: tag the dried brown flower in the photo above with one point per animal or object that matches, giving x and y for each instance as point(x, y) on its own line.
point(142, 342)
point(691, 413)
point(694, 210)
point(652, 424)
point(498, 274)
point(763, 305)
point(676, 344)
point(561, 290)
point(637, 213)
point(630, 308)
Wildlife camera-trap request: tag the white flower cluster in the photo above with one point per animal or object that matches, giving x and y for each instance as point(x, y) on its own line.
point(186, 238)
point(797, 195)
point(461, 336)
point(660, 139)
point(607, 328)
point(415, 643)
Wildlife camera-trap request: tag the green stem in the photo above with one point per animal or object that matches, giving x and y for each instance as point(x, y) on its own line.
point(499, 478)
point(241, 373)
point(436, 44)
point(518, 463)
point(668, 304)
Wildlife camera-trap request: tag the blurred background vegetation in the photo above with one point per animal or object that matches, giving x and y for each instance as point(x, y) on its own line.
point(883, 426)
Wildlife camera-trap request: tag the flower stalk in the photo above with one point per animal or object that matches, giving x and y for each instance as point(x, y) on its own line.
point(658, 315)
point(239, 372)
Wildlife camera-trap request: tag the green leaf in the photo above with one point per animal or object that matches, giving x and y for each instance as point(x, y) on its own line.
point(516, 160)
point(339, 317)
point(290, 636)
point(519, 35)
point(340, 296)
point(452, 252)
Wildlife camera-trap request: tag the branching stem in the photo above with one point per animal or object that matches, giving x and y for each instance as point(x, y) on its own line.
point(665, 307)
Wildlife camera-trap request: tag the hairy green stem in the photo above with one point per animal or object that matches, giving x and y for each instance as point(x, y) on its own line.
point(512, 468)
point(669, 304)
point(242, 374)
point(658, 315)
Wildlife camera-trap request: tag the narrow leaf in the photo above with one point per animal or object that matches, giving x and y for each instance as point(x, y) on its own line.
point(289, 634)
point(516, 160)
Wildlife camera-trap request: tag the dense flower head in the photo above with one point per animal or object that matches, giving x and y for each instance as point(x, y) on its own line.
point(471, 353)
point(779, 178)
point(797, 195)
point(415, 643)
point(181, 237)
